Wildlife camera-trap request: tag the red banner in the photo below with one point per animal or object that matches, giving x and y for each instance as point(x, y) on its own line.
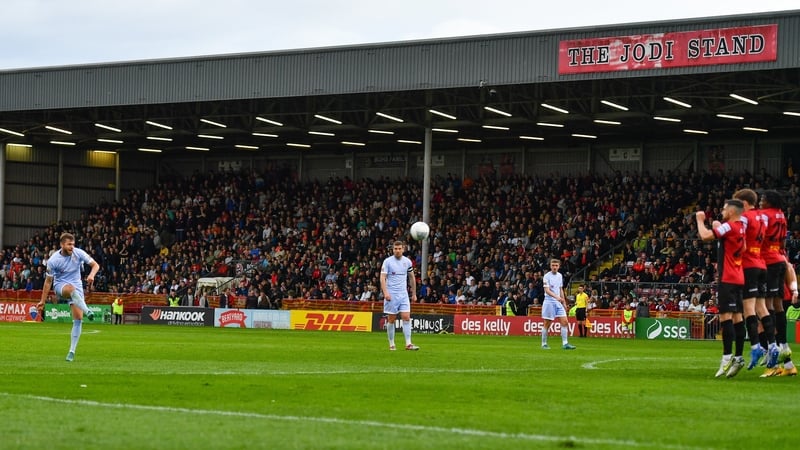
point(667, 50)
point(18, 312)
point(532, 326)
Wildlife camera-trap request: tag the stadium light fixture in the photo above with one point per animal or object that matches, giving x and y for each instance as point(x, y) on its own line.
point(792, 113)
point(269, 121)
point(296, 145)
point(555, 108)
point(444, 130)
point(14, 133)
point(321, 133)
point(149, 150)
point(388, 116)
point(246, 147)
point(666, 119)
point(107, 152)
point(20, 145)
point(159, 125)
point(677, 102)
point(380, 131)
point(730, 116)
point(354, 144)
point(442, 114)
point(614, 105)
point(497, 111)
point(551, 125)
point(159, 138)
point(108, 127)
point(761, 130)
point(469, 140)
point(199, 149)
point(691, 131)
point(742, 98)
point(210, 136)
point(110, 141)
point(607, 122)
point(584, 136)
point(265, 135)
point(216, 124)
point(532, 138)
point(59, 130)
point(328, 119)
point(406, 141)
point(62, 143)
point(495, 127)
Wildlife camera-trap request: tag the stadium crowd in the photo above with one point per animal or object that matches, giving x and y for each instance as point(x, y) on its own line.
point(491, 237)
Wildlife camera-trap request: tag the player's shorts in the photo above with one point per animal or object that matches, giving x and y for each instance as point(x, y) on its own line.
point(775, 274)
point(580, 314)
point(729, 298)
point(398, 304)
point(552, 309)
point(755, 283)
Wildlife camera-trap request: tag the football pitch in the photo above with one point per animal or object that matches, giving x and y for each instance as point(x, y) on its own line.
point(154, 387)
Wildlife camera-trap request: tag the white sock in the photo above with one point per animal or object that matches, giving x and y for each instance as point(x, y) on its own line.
point(78, 301)
point(390, 332)
point(564, 335)
point(407, 331)
point(544, 335)
point(77, 325)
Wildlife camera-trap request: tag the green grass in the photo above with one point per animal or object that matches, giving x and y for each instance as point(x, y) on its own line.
point(143, 387)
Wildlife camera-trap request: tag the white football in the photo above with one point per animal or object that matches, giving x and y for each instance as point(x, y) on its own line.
point(420, 231)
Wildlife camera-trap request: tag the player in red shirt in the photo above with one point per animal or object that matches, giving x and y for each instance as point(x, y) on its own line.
point(755, 278)
point(730, 235)
point(773, 251)
point(789, 297)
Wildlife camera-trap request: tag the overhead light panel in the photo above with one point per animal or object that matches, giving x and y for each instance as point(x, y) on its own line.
point(532, 138)
point(730, 116)
point(149, 150)
point(762, 130)
point(614, 105)
point(666, 119)
point(328, 119)
point(677, 102)
point(159, 125)
point(390, 117)
point(265, 135)
point(293, 144)
point(21, 145)
point(199, 149)
point(60, 130)
point(107, 152)
point(691, 131)
point(555, 108)
point(269, 121)
point(159, 138)
point(607, 122)
point(444, 130)
point(62, 143)
point(497, 111)
point(548, 124)
point(246, 147)
point(406, 141)
point(321, 133)
point(743, 99)
point(4, 130)
point(495, 127)
point(788, 113)
point(585, 136)
point(210, 136)
point(108, 127)
point(216, 124)
point(110, 141)
point(441, 114)
point(469, 140)
point(354, 144)
point(380, 131)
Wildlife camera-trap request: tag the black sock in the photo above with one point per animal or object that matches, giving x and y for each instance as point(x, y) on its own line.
point(780, 327)
point(768, 323)
point(738, 328)
point(728, 335)
point(752, 329)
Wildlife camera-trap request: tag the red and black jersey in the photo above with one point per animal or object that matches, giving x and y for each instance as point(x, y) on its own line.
point(754, 222)
point(730, 248)
point(773, 250)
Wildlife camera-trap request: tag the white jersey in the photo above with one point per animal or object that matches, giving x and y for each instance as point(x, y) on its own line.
point(397, 270)
point(67, 269)
point(554, 282)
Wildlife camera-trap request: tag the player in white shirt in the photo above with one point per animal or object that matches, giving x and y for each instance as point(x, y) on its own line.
point(64, 276)
point(395, 282)
point(555, 305)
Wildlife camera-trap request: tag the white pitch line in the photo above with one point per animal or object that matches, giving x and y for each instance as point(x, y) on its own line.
point(306, 372)
point(365, 423)
point(592, 365)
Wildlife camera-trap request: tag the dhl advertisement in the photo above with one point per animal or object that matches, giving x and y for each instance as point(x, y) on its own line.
point(331, 320)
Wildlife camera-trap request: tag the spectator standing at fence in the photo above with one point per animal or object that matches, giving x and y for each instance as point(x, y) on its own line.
point(755, 279)
point(555, 305)
point(397, 276)
point(773, 250)
point(730, 235)
point(64, 276)
point(628, 318)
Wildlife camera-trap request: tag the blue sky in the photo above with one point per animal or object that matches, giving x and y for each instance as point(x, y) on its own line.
point(38, 33)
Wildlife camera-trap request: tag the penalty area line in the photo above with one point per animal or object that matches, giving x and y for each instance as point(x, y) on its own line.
point(338, 421)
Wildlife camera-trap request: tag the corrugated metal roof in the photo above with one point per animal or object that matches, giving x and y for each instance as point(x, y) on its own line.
point(502, 59)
